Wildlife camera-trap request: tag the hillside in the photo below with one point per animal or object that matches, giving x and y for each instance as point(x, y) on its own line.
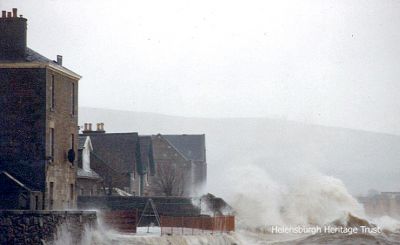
point(362, 160)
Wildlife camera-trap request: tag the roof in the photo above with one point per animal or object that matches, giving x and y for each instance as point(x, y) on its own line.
point(82, 141)
point(116, 149)
point(13, 179)
point(35, 60)
point(22, 171)
point(87, 174)
point(33, 56)
point(191, 146)
point(146, 155)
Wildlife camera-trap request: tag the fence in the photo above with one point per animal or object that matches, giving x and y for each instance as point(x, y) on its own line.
point(196, 225)
point(121, 220)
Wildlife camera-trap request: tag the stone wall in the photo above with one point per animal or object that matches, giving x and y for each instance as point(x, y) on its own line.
point(36, 227)
point(22, 125)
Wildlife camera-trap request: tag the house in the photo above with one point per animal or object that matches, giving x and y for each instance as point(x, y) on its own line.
point(382, 204)
point(115, 158)
point(88, 182)
point(38, 122)
point(181, 166)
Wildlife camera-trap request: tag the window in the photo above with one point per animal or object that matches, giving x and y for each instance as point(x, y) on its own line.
point(72, 141)
point(51, 195)
point(73, 99)
point(36, 202)
point(71, 192)
point(52, 93)
point(52, 143)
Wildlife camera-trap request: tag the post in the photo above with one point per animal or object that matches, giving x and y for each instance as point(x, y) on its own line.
point(225, 223)
point(212, 225)
point(201, 224)
point(161, 222)
point(182, 224)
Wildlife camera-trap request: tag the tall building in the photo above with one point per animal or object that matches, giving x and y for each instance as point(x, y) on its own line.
point(38, 123)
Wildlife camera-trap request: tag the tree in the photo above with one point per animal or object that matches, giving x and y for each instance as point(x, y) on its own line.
point(170, 179)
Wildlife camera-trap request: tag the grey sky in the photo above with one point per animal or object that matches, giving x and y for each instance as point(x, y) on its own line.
point(326, 62)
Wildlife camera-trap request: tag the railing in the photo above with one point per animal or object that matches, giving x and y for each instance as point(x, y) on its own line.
point(196, 225)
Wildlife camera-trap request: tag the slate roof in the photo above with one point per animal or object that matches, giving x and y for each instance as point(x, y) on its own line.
point(146, 155)
point(119, 150)
point(32, 56)
point(35, 57)
point(81, 142)
point(191, 146)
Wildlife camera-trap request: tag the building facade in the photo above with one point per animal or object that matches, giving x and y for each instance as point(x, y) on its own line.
point(114, 158)
point(180, 165)
point(38, 119)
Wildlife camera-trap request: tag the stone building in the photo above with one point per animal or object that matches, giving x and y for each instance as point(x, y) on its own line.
point(38, 122)
point(180, 165)
point(114, 158)
point(382, 204)
point(88, 182)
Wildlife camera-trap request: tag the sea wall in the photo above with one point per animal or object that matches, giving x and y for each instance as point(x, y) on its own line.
point(39, 227)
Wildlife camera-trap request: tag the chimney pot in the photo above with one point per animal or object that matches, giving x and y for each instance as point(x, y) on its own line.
point(15, 11)
point(100, 127)
point(9, 15)
point(90, 127)
point(59, 59)
point(3, 14)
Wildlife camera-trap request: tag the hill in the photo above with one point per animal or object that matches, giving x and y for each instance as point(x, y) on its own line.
point(362, 160)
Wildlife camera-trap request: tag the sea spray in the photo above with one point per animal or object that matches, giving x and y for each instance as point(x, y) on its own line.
point(255, 197)
point(318, 200)
point(261, 202)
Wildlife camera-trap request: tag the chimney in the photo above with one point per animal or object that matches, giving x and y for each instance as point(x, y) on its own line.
point(59, 60)
point(13, 36)
point(100, 128)
point(15, 10)
point(87, 128)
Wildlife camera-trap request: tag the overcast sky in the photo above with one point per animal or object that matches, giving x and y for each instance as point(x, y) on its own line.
point(325, 62)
